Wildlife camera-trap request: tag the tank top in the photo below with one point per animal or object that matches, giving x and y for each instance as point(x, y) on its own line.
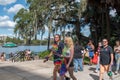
point(66, 52)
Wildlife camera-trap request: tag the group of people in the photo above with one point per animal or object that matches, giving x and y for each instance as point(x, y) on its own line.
point(62, 53)
point(107, 58)
point(21, 55)
point(68, 56)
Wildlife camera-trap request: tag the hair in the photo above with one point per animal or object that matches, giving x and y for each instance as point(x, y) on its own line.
point(118, 41)
point(105, 39)
point(58, 36)
point(70, 41)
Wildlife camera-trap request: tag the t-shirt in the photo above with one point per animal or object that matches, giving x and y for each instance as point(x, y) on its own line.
point(59, 49)
point(78, 51)
point(89, 48)
point(105, 53)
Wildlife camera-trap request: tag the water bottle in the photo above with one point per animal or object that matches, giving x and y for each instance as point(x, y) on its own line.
point(110, 72)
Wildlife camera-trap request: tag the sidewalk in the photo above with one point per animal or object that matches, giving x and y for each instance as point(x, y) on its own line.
point(37, 70)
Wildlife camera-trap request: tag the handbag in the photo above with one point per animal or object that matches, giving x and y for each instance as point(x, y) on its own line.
point(95, 59)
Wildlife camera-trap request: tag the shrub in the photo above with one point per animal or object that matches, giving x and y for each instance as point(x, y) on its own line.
point(43, 54)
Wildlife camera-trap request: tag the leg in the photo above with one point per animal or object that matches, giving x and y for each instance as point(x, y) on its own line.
point(75, 65)
point(90, 61)
point(117, 62)
point(102, 70)
point(61, 77)
point(98, 65)
point(70, 70)
point(80, 61)
point(56, 69)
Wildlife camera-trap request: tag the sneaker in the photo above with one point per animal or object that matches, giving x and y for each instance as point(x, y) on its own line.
point(75, 71)
point(80, 69)
point(116, 72)
point(96, 71)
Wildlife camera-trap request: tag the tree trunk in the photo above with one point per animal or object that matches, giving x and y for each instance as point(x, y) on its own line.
point(77, 28)
point(107, 23)
point(48, 46)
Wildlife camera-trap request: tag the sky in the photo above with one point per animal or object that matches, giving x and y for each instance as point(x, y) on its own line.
point(8, 8)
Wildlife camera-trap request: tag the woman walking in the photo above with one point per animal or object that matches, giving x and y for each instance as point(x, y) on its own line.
point(117, 55)
point(90, 49)
point(56, 52)
point(98, 60)
point(68, 53)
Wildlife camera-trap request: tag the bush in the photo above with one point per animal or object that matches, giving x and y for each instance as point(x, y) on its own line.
point(43, 54)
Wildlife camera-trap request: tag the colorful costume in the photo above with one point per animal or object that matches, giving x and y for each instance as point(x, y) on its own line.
point(57, 50)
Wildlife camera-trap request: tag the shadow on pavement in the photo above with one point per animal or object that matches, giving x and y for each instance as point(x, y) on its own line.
point(14, 73)
point(92, 68)
point(95, 77)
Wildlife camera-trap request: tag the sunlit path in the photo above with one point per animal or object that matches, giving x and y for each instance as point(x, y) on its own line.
point(37, 70)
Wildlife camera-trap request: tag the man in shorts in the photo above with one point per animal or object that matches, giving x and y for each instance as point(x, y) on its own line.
point(106, 59)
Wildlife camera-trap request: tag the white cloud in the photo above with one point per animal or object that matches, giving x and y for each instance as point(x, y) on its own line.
point(15, 8)
point(4, 18)
point(5, 2)
point(6, 22)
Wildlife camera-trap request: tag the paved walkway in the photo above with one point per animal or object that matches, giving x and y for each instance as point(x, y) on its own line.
point(37, 70)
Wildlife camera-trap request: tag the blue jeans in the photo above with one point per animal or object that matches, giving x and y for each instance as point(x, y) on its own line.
point(78, 62)
point(98, 64)
point(117, 57)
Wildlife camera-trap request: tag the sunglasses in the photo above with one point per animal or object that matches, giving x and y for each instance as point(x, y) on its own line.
point(56, 37)
point(105, 41)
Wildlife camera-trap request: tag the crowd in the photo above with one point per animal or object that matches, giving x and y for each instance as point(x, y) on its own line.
point(25, 55)
point(68, 57)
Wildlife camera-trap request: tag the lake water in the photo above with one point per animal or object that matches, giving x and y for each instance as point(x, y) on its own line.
point(35, 49)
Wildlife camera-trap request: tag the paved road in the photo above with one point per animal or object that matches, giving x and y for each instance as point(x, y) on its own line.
point(37, 70)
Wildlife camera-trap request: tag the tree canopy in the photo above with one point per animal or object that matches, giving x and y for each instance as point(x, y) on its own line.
point(58, 15)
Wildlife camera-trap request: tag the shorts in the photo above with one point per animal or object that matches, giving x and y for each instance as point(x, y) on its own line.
point(104, 68)
point(71, 64)
point(57, 62)
point(91, 54)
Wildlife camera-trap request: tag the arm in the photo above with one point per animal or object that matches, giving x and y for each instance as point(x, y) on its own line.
point(111, 55)
point(92, 46)
point(115, 49)
point(46, 58)
point(71, 55)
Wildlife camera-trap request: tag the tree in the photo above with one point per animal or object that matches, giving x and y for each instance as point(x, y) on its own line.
point(23, 26)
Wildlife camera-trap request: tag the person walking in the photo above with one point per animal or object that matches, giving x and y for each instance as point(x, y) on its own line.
point(68, 53)
point(117, 56)
point(56, 51)
point(98, 60)
point(78, 57)
point(90, 49)
point(106, 59)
